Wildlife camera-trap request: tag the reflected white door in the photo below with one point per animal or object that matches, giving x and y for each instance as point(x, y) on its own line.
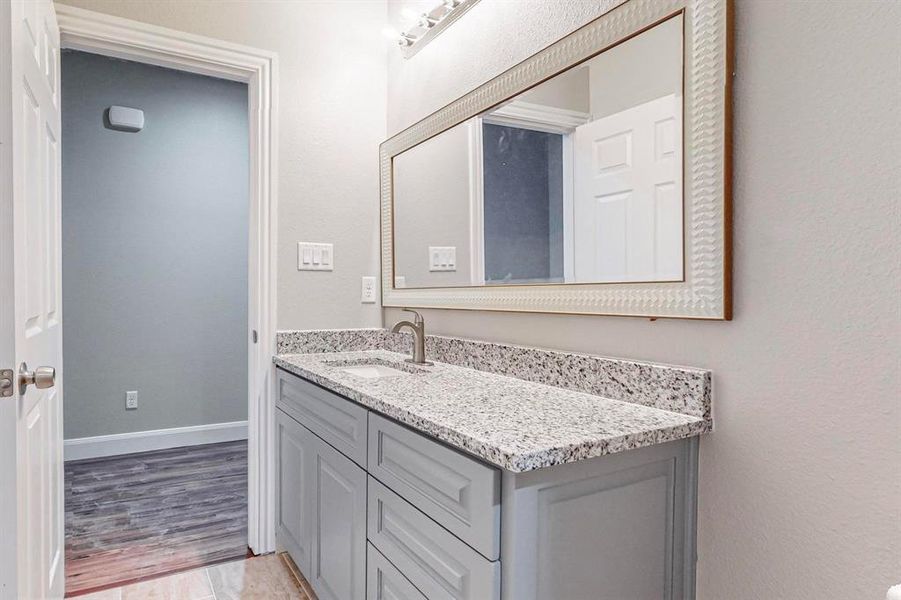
point(31, 430)
point(627, 204)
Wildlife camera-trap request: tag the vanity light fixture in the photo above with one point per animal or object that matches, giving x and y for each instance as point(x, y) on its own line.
point(402, 39)
point(427, 25)
point(427, 22)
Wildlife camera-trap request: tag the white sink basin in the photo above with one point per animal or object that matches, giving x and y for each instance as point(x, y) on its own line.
point(373, 371)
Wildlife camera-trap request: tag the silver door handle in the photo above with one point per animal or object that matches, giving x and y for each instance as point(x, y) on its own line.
point(41, 377)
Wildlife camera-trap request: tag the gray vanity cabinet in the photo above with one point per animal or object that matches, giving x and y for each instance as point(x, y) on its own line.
point(371, 509)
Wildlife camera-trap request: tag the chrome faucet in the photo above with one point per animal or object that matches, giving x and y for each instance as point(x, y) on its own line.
point(418, 329)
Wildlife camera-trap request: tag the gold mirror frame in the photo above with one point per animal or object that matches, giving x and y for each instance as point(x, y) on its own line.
point(705, 292)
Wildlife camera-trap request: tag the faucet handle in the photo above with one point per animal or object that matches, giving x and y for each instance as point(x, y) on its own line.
point(417, 318)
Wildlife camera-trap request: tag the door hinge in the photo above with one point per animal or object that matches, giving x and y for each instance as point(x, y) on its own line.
point(254, 336)
point(6, 383)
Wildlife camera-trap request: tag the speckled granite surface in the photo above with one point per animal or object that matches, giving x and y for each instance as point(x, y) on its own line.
point(307, 341)
point(679, 389)
point(512, 423)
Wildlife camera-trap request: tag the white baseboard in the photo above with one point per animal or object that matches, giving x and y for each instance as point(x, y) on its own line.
point(157, 439)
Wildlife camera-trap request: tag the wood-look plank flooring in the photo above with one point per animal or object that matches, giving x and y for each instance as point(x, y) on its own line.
point(136, 516)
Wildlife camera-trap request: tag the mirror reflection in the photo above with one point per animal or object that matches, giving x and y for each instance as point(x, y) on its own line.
point(578, 180)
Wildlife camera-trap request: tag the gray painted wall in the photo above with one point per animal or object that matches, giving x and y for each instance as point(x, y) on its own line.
point(154, 248)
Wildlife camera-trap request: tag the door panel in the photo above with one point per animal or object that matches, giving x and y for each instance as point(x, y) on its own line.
point(294, 497)
point(627, 203)
point(32, 156)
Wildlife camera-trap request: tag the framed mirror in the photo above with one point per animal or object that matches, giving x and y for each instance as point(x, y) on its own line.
point(592, 178)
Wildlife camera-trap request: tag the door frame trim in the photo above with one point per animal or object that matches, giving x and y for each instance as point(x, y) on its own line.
point(99, 33)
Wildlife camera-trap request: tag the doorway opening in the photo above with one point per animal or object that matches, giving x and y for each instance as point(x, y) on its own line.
point(155, 244)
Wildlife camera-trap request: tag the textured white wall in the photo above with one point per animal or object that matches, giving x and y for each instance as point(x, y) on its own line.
point(331, 120)
point(800, 487)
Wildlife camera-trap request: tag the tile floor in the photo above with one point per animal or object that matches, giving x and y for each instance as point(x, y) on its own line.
point(270, 577)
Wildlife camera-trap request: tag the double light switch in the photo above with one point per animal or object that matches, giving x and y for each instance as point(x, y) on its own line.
point(315, 257)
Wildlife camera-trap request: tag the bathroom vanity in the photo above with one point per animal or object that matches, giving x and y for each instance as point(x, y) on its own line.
point(591, 178)
point(448, 482)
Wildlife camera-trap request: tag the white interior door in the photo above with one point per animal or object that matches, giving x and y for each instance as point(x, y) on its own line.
point(627, 206)
point(31, 473)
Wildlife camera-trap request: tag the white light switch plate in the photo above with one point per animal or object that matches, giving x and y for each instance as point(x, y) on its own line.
point(442, 258)
point(315, 256)
point(131, 400)
point(367, 290)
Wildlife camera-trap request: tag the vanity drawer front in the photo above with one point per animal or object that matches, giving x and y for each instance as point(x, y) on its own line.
point(384, 581)
point(338, 421)
point(437, 563)
point(459, 492)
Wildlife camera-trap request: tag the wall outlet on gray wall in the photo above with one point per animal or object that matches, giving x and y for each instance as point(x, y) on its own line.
point(131, 400)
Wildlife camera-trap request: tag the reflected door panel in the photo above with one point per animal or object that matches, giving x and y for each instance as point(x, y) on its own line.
point(627, 205)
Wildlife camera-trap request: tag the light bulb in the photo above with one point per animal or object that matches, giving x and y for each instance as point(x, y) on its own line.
point(391, 33)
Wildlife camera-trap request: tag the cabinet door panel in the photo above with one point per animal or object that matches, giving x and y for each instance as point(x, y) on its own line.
point(339, 526)
point(294, 445)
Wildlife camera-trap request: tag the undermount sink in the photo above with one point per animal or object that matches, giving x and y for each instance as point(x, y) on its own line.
point(373, 371)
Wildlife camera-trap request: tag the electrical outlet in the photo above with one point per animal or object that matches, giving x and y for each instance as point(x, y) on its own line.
point(367, 290)
point(131, 400)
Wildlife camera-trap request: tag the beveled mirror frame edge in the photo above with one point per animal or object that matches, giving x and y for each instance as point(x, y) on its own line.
point(706, 292)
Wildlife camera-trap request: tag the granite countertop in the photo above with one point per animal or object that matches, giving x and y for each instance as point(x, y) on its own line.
point(514, 424)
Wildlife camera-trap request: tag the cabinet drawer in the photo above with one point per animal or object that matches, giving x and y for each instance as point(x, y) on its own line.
point(384, 581)
point(432, 559)
point(338, 421)
point(459, 492)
